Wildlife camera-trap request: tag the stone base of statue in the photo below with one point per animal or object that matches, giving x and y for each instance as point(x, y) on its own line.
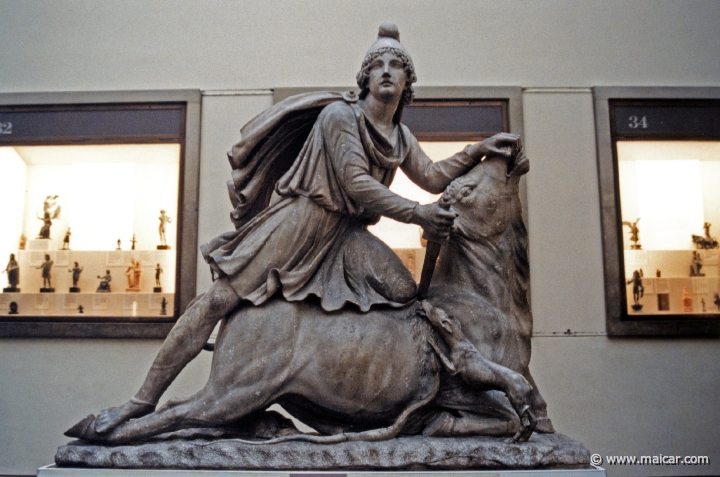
point(133, 290)
point(217, 449)
point(74, 290)
point(163, 247)
point(636, 307)
point(47, 290)
point(11, 290)
point(157, 289)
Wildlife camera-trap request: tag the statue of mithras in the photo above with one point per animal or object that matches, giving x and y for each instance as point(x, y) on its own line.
point(302, 271)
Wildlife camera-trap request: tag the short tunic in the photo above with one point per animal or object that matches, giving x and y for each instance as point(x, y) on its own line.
point(312, 239)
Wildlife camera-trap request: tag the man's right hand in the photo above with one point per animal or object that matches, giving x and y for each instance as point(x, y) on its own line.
point(435, 221)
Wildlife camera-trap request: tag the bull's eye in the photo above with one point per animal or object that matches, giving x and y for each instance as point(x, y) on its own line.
point(466, 191)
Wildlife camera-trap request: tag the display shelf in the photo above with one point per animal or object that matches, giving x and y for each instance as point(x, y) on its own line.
point(94, 304)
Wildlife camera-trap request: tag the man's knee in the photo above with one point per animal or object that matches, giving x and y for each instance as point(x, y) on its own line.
point(220, 299)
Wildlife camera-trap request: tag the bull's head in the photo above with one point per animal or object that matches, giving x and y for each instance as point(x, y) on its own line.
point(486, 198)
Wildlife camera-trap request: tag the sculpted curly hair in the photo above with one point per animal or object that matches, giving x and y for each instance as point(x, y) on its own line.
point(364, 73)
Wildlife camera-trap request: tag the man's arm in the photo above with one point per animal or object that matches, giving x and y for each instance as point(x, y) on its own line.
point(436, 176)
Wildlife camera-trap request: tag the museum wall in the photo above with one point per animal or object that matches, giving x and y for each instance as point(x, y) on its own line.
point(618, 396)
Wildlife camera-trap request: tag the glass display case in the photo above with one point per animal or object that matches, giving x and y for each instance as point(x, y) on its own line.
point(660, 186)
point(94, 218)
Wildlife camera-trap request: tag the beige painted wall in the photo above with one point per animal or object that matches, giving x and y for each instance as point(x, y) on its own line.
point(618, 396)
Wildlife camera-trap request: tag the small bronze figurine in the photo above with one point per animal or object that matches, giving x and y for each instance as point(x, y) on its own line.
point(81, 309)
point(163, 307)
point(164, 220)
point(46, 275)
point(634, 234)
point(657, 273)
point(707, 242)
point(76, 271)
point(133, 241)
point(66, 240)
point(13, 308)
point(118, 247)
point(158, 272)
point(13, 272)
point(638, 290)
point(23, 242)
point(702, 303)
point(716, 297)
point(51, 211)
point(696, 265)
point(104, 286)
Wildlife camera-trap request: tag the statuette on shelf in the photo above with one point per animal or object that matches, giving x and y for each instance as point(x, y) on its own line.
point(118, 245)
point(76, 271)
point(697, 264)
point(46, 267)
point(687, 301)
point(638, 289)
point(634, 234)
point(104, 286)
point(707, 242)
point(13, 308)
point(133, 274)
point(66, 240)
point(133, 242)
point(51, 211)
point(158, 271)
point(702, 304)
point(13, 275)
point(163, 306)
point(716, 298)
point(164, 220)
point(23, 242)
point(81, 309)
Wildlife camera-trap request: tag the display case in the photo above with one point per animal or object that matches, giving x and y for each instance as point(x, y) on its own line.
point(659, 164)
point(99, 217)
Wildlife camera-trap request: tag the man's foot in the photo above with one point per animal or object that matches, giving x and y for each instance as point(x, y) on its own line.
point(110, 418)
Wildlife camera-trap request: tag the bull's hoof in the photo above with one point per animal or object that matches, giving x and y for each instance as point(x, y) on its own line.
point(440, 426)
point(82, 428)
point(544, 425)
point(529, 422)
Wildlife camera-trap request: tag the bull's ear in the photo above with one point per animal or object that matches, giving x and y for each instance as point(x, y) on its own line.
point(445, 359)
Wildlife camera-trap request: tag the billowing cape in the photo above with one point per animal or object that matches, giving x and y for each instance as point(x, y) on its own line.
point(270, 144)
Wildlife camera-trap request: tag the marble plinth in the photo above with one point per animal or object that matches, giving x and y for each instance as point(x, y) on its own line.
point(198, 451)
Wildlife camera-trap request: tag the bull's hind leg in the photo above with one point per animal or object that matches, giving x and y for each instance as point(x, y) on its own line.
point(496, 419)
point(204, 409)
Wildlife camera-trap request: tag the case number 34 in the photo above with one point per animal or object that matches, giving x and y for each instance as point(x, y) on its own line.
point(635, 122)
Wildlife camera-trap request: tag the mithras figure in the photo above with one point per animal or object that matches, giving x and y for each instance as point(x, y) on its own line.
point(309, 176)
point(13, 275)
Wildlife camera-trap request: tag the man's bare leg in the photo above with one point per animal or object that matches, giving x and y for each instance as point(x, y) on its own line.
point(182, 345)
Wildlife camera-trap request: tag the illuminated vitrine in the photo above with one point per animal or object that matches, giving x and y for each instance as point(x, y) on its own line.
point(660, 184)
point(95, 222)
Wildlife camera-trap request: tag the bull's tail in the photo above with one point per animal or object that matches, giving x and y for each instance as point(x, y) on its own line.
point(372, 435)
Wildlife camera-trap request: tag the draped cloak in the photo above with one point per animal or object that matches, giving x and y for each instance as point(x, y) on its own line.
point(301, 217)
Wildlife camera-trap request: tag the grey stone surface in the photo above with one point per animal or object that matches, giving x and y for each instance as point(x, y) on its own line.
point(198, 451)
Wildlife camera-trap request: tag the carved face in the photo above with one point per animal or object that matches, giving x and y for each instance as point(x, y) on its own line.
point(387, 78)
